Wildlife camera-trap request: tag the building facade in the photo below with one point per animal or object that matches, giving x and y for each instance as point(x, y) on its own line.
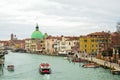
point(95, 42)
point(61, 44)
point(35, 44)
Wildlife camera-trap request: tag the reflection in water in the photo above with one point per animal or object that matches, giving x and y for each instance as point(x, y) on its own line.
point(27, 68)
point(1, 71)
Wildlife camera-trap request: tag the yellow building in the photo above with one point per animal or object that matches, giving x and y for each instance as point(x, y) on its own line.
point(88, 44)
point(91, 43)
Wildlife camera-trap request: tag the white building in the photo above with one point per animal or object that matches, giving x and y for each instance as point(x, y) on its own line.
point(60, 44)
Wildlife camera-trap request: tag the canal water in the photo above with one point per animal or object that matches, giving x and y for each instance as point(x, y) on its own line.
point(27, 68)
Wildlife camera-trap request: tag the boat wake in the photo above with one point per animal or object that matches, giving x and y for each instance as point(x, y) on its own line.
point(46, 77)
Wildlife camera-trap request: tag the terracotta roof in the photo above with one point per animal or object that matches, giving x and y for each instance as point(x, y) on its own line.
point(72, 38)
point(115, 34)
point(60, 37)
point(4, 41)
point(54, 37)
point(28, 39)
point(98, 34)
point(18, 41)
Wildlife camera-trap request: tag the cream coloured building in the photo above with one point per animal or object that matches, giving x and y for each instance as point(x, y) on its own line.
point(55, 45)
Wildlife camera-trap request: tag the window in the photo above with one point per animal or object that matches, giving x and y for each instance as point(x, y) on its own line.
point(92, 50)
point(92, 40)
point(85, 40)
point(85, 50)
point(97, 46)
point(92, 45)
point(69, 43)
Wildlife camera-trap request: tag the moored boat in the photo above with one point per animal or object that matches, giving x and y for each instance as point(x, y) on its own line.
point(90, 65)
point(78, 60)
point(44, 68)
point(65, 58)
point(10, 67)
point(62, 53)
point(115, 72)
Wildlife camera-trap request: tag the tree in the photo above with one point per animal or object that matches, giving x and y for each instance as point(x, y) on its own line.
point(103, 53)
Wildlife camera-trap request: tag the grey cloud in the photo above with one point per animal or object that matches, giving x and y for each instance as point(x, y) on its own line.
point(56, 17)
point(80, 8)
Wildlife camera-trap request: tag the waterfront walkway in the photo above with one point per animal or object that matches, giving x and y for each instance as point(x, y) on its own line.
point(102, 62)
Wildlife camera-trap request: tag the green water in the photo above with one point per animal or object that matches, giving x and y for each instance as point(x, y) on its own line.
point(27, 66)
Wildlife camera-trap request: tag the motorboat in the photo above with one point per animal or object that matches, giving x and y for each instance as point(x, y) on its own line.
point(62, 53)
point(44, 68)
point(90, 65)
point(78, 60)
point(10, 67)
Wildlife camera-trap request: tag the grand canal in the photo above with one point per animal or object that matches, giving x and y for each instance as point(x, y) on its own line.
point(27, 66)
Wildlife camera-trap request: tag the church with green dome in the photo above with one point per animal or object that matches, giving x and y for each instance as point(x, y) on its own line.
point(37, 34)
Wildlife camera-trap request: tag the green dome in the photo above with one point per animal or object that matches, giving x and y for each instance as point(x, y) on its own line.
point(37, 34)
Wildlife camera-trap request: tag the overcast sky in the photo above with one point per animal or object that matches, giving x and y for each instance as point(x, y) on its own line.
point(57, 17)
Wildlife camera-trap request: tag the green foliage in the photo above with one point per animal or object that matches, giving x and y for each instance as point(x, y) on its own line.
point(103, 54)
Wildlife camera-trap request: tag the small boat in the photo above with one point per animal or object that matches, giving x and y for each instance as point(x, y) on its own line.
point(44, 68)
point(62, 53)
point(10, 67)
point(78, 60)
point(65, 58)
point(90, 65)
point(115, 72)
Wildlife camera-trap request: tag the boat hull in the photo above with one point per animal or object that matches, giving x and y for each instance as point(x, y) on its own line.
point(10, 67)
point(115, 72)
point(78, 60)
point(45, 71)
point(90, 65)
point(44, 68)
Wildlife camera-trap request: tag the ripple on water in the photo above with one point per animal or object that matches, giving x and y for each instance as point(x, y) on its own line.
point(27, 68)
